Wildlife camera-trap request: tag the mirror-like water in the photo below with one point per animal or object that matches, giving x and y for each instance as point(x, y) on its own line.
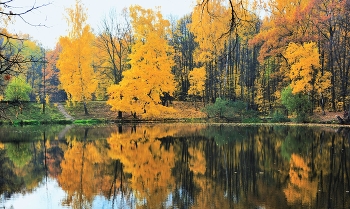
point(174, 166)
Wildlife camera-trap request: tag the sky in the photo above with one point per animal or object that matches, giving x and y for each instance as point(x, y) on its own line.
point(52, 16)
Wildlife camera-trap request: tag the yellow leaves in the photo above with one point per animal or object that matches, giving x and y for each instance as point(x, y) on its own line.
point(31, 49)
point(208, 26)
point(286, 23)
point(77, 75)
point(93, 154)
point(146, 22)
point(151, 61)
point(197, 81)
point(304, 62)
point(76, 19)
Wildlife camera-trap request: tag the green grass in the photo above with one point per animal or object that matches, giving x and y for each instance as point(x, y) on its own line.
point(90, 121)
point(99, 112)
point(32, 114)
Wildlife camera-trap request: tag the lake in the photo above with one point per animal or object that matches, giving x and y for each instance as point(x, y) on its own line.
point(174, 166)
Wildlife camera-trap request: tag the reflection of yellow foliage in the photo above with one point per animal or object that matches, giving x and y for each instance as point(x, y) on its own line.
point(300, 188)
point(208, 194)
point(78, 177)
point(197, 161)
point(143, 156)
point(2, 146)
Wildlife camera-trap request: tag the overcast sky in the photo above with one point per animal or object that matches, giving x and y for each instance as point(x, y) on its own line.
point(52, 15)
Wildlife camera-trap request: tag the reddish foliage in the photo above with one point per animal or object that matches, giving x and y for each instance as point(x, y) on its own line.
point(7, 77)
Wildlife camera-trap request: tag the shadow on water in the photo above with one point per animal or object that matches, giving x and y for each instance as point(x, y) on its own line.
point(177, 165)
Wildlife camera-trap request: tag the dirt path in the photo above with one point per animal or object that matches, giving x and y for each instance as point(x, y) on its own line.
point(63, 111)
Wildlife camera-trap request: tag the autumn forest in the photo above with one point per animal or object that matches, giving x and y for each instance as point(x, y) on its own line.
point(272, 55)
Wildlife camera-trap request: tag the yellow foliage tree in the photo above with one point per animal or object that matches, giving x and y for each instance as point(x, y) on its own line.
point(197, 81)
point(305, 73)
point(150, 78)
point(208, 27)
point(77, 75)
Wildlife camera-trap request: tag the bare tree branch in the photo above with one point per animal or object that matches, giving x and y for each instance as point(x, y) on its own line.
point(10, 11)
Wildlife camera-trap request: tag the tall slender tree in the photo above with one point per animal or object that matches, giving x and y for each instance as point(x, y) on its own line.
point(182, 40)
point(77, 75)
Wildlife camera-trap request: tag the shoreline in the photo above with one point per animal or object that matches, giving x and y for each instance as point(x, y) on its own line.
point(100, 113)
point(94, 121)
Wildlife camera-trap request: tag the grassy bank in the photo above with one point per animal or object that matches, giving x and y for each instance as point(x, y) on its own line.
point(99, 112)
point(32, 114)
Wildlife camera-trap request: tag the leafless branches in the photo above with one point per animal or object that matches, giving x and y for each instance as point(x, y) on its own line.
point(9, 11)
point(114, 39)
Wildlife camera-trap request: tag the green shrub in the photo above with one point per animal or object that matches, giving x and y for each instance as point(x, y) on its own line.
point(278, 117)
point(230, 110)
point(218, 109)
point(296, 103)
point(17, 90)
point(254, 119)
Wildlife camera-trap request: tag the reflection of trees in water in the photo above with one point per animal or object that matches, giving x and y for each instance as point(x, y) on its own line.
point(87, 171)
point(186, 188)
point(118, 190)
point(256, 166)
point(9, 184)
point(301, 188)
point(249, 165)
point(148, 163)
point(19, 153)
point(21, 167)
point(192, 167)
point(54, 156)
point(334, 182)
point(78, 173)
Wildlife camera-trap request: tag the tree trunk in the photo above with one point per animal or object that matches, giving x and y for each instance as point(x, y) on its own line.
point(85, 109)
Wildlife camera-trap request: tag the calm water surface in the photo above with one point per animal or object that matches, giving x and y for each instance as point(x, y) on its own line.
point(174, 166)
